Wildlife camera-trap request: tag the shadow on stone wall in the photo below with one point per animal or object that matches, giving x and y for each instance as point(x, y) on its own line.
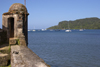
point(3, 36)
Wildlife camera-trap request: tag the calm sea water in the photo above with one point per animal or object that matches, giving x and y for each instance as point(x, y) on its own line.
point(67, 49)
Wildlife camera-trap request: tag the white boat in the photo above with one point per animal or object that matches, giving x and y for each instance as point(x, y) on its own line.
point(34, 30)
point(28, 30)
point(80, 29)
point(68, 30)
point(42, 29)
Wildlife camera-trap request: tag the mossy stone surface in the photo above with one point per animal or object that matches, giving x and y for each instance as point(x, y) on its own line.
point(5, 56)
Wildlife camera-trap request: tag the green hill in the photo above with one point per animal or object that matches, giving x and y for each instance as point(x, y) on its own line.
point(87, 23)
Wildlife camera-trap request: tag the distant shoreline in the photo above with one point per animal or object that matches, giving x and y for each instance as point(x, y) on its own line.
point(87, 23)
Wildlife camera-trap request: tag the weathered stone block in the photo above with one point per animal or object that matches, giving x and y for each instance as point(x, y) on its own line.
point(22, 42)
point(12, 41)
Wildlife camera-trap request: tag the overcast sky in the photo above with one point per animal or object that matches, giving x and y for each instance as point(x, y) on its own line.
point(46, 13)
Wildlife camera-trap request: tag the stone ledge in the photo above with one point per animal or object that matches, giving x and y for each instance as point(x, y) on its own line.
point(3, 55)
point(4, 58)
point(4, 48)
point(22, 56)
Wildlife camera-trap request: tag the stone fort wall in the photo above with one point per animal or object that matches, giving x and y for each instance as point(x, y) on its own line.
point(3, 36)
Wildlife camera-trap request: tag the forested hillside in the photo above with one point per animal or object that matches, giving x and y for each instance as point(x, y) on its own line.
point(87, 23)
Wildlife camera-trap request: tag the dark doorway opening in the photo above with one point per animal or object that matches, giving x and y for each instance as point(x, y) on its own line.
point(11, 27)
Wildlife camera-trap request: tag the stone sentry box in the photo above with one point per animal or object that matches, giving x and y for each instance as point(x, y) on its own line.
point(15, 22)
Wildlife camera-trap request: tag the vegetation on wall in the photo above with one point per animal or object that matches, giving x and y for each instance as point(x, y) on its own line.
point(87, 23)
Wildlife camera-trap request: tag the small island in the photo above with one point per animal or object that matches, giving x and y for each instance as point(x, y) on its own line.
point(87, 23)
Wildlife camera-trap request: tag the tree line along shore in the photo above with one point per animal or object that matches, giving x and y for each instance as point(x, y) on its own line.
point(86, 23)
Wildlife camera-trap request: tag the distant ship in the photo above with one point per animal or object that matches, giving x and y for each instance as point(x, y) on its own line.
point(28, 30)
point(68, 30)
point(34, 30)
point(80, 29)
point(43, 29)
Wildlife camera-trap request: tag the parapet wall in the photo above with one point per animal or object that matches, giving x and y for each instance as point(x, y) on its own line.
point(22, 56)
